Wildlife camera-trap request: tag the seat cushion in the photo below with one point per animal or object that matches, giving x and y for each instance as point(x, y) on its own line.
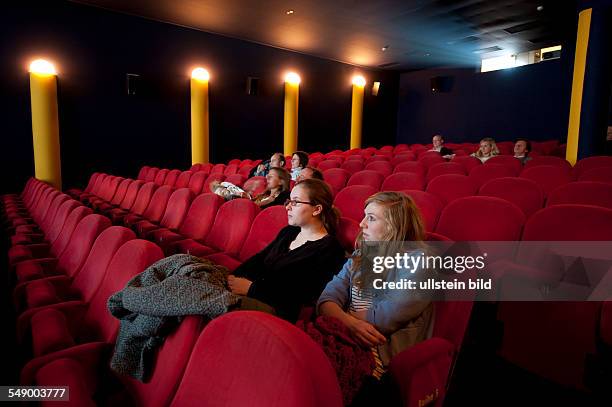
point(50, 332)
point(224, 260)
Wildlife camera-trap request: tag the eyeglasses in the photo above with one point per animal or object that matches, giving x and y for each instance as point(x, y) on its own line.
point(294, 202)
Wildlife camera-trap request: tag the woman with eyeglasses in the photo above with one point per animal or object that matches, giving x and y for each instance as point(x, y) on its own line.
point(293, 269)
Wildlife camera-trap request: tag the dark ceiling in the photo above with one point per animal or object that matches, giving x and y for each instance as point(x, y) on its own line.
point(417, 33)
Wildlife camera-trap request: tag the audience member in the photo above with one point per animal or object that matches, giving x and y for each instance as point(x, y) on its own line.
point(522, 148)
point(299, 161)
point(310, 173)
point(487, 149)
point(438, 145)
point(277, 160)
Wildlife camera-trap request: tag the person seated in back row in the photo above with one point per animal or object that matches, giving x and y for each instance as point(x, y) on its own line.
point(438, 145)
point(310, 173)
point(522, 148)
point(487, 149)
point(299, 161)
point(278, 184)
point(277, 160)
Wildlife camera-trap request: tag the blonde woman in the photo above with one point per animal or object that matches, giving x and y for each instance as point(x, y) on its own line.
point(487, 149)
point(387, 320)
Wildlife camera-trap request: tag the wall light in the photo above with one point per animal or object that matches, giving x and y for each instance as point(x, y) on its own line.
point(292, 78)
point(200, 74)
point(42, 67)
point(359, 80)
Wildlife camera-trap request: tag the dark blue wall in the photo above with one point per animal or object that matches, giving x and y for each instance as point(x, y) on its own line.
point(530, 101)
point(103, 129)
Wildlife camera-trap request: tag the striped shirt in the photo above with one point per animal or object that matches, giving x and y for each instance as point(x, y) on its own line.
point(362, 300)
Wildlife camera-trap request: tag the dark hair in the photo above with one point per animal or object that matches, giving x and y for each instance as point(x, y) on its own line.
point(303, 158)
point(319, 193)
point(316, 174)
point(284, 176)
point(527, 142)
point(281, 158)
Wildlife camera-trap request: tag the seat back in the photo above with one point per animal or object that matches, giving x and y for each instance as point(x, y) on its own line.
point(87, 281)
point(569, 222)
point(143, 172)
point(327, 164)
point(582, 193)
point(231, 169)
point(352, 165)
point(481, 218)
point(201, 216)
point(451, 186)
point(336, 178)
point(351, 200)
point(403, 180)
point(157, 205)
point(302, 375)
point(196, 182)
point(183, 180)
point(132, 258)
point(445, 168)
point(467, 162)
point(172, 177)
point(232, 224)
point(548, 177)
point(348, 229)
point(264, 229)
point(599, 174)
point(177, 207)
point(79, 246)
point(429, 205)
point(382, 167)
point(522, 192)
point(486, 172)
point(366, 177)
point(411, 166)
point(236, 179)
point(143, 198)
point(588, 163)
point(72, 220)
point(121, 191)
point(509, 161)
point(60, 218)
point(130, 194)
point(549, 160)
point(255, 185)
point(217, 169)
point(151, 174)
point(161, 176)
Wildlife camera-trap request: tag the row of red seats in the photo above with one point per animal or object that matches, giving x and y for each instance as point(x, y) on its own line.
point(72, 333)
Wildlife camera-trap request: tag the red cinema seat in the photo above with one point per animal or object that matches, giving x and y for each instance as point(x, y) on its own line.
point(155, 209)
point(431, 158)
point(172, 177)
point(196, 225)
point(60, 288)
point(196, 182)
point(599, 174)
point(485, 173)
point(217, 169)
point(213, 177)
point(257, 342)
point(47, 227)
point(582, 193)
point(400, 148)
point(233, 161)
point(264, 229)
point(402, 180)
point(175, 211)
point(352, 165)
point(336, 178)
point(382, 167)
point(348, 229)
point(75, 329)
point(589, 163)
point(429, 205)
point(101, 204)
point(548, 177)
point(482, 218)
point(549, 160)
point(143, 197)
point(255, 185)
point(231, 226)
point(411, 166)
point(236, 179)
point(451, 186)
point(72, 258)
point(351, 201)
point(468, 162)
point(143, 172)
point(366, 177)
point(150, 177)
point(377, 158)
point(21, 253)
point(231, 169)
point(445, 168)
point(509, 161)
point(161, 176)
point(327, 164)
point(183, 180)
point(522, 192)
point(424, 371)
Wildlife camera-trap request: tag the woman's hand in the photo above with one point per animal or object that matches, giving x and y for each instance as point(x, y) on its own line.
point(366, 333)
point(238, 285)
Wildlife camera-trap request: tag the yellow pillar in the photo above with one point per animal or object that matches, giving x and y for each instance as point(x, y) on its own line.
point(292, 90)
point(357, 111)
point(199, 116)
point(582, 43)
point(45, 123)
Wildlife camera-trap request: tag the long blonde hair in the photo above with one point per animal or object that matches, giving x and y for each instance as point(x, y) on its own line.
point(404, 223)
point(494, 149)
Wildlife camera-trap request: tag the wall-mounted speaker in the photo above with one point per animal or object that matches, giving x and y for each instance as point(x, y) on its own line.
point(132, 83)
point(252, 86)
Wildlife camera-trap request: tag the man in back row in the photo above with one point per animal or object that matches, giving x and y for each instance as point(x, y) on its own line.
point(277, 160)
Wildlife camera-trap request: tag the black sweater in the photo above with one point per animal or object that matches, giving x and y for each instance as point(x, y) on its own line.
point(287, 279)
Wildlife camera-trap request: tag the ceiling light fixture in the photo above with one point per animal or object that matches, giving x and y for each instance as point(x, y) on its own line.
point(288, 12)
point(384, 48)
point(540, 8)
